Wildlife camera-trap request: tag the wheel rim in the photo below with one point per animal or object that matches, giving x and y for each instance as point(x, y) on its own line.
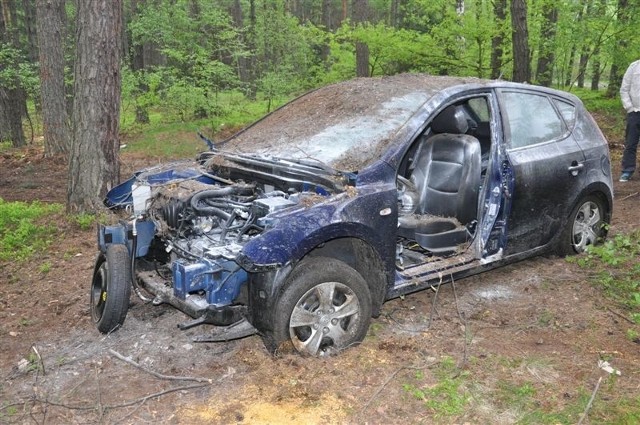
point(586, 226)
point(325, 319)
point(99, 292)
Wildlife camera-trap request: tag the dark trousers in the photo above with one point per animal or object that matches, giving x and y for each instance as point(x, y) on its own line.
point(631, 142)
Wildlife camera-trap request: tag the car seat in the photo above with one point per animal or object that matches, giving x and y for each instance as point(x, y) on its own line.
point(446, 175)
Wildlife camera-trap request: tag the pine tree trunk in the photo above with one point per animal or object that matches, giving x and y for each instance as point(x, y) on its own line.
point(12, 96)
point(360, 10)
point(54, 111)
point(520, 40)
point(93, 162)
point(546, 50)
point(497, 41)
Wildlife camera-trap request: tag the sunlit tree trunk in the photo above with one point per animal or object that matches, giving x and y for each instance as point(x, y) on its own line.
point(93, 163)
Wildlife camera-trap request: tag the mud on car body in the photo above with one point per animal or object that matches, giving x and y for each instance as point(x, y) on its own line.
point(300, 226)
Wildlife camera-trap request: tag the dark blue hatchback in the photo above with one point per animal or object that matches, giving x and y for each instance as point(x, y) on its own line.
point(300, 226)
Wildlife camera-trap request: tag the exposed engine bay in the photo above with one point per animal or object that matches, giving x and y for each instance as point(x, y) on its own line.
point(190, 225)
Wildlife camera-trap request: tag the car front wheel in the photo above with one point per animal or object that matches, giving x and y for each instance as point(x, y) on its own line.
point(586, 226)
point(325, 308)
point(111, 289)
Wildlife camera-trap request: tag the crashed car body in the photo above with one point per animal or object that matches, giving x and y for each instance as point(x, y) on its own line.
point(300, 226)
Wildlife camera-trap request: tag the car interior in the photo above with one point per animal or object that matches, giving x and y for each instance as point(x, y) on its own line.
point(442, 175)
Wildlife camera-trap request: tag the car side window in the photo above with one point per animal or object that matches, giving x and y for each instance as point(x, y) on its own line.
point(530, 119)
point(567, 110)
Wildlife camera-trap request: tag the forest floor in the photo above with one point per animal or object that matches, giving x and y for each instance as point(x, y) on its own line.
point(518, 344)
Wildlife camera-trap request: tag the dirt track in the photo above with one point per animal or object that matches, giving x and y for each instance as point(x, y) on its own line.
point(537, 325)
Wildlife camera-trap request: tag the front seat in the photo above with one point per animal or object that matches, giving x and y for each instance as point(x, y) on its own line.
point(446, 176)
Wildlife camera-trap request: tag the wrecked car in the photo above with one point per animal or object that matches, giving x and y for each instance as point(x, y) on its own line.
point(302, 225)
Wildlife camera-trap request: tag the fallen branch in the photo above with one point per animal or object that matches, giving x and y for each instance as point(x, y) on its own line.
point(593, 396)
point(158, 394)
point(620, 315)
point(156, 374)
point(106, 407)
point(630, 196)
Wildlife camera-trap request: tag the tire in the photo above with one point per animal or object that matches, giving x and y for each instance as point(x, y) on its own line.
point(586, 226)
point(324, 308)
point(111, 289)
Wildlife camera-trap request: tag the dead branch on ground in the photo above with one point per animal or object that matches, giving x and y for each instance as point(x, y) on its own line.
point(156, 374)
point(593, 396)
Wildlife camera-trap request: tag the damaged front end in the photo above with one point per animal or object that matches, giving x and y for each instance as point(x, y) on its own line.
point(188, 223)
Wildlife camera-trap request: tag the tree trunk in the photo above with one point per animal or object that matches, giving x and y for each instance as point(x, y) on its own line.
point(361, 15)
point(138, 66)
point(395, 13)
point(546, 50)
point(619, 55)
point(497, 41)
point(51, 31)
point(12, 96)
point(30, 30)
point(93, 162)
point(520, 40)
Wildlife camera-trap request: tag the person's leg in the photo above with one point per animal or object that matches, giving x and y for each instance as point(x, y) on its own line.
point(631, 143)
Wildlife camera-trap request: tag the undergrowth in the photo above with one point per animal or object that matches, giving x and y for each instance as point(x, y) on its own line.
point(618, 270)
point(25, 229)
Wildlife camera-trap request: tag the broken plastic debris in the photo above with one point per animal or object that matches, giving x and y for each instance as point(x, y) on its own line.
point(604, 365)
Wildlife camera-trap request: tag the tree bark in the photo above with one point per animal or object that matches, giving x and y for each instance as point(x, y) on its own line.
point(497, 41)
point(138, 66)
point(51, 32)
point(12, 96)
point(618, 66)
point(520, 40)
point(93, 163)
point(30, 29)
point(546, 49)
point(360, 12)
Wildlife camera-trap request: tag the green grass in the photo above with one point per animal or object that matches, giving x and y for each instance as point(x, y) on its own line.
point(618, 270)
point(448, 397)
point(26, 228)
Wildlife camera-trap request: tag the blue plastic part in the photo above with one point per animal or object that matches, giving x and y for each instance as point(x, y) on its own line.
point(220, 280)
point(121, 234)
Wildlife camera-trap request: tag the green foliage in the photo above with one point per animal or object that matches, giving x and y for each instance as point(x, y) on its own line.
point(16, 71)
point(21, 231)
point(618, 270)
point(84, 220)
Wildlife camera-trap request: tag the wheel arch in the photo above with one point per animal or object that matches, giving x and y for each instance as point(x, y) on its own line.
point(600, 190)
point(362, 257)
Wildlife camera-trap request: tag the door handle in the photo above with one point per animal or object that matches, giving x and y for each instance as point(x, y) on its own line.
point(575, 168)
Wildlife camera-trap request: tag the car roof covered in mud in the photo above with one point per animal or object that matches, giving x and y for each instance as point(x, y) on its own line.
point(345, 125)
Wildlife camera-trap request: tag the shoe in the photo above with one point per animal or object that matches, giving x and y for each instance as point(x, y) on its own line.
point(625, 177)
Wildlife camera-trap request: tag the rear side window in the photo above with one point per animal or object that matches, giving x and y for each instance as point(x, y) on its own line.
point(531, 119)
point(568, 112)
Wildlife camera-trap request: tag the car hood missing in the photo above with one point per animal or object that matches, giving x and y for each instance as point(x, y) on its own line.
point(344, 126)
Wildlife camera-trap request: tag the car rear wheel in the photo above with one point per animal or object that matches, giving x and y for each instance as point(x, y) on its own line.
point(111, 289)
point(325, 308)
point(586, 226)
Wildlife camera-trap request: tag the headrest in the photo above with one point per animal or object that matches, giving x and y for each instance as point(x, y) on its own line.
point(451, 120)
